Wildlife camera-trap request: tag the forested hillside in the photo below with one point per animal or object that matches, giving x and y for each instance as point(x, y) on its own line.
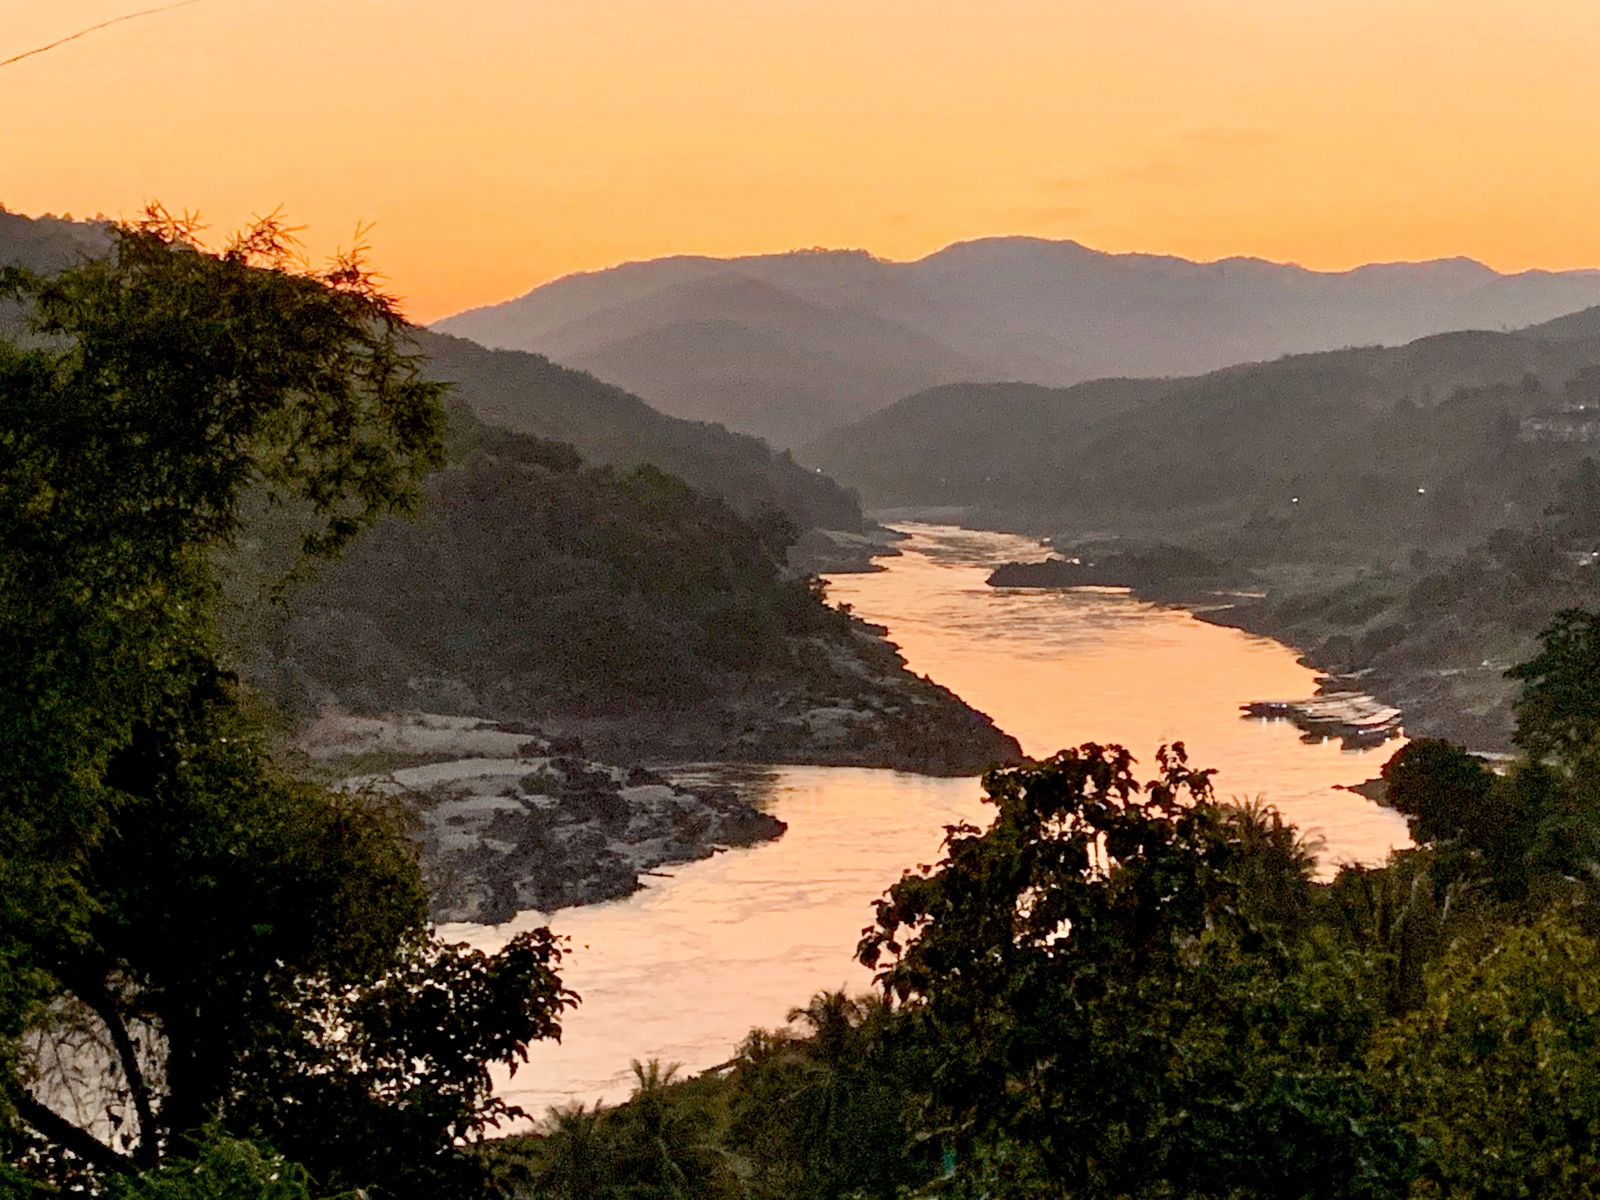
point(1436, 442)
point(965, 443)
point(790, 345)
point(1582, 324)
point(528, 393)
point(624, 606)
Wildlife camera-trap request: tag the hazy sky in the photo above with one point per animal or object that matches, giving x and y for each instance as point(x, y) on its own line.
point(499, 143)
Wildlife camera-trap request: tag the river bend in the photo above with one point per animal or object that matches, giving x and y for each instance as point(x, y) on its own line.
point(681, 970)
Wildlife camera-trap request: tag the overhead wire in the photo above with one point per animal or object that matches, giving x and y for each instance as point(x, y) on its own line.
point(72, 37)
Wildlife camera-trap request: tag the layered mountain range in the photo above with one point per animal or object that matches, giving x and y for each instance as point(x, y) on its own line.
point(789, 346)
point(1408, 499)
point(1439, 439)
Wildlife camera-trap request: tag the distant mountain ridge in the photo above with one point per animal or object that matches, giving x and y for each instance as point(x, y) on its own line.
point(49, 243)
point(1422, 441)
point(789, 346)
point(44, 244)
point(754, 354)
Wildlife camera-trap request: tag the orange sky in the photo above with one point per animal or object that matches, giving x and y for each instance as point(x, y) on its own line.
point(499, 143)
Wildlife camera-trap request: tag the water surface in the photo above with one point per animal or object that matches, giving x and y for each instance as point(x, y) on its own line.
point(682, 970)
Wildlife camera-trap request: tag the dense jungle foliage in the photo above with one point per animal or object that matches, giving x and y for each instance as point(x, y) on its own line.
point(195, 948)
point(1126, 989)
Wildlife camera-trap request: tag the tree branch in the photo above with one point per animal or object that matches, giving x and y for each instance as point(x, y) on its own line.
point(56, 1128)
point(94, 992)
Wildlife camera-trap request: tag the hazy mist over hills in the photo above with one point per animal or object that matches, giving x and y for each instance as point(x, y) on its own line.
point(778, 357)
point(1353, 433)
point(791, 345)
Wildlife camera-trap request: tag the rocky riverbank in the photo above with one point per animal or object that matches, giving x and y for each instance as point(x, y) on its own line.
point(1434, 646)
point(843, 552)
point(507, 818)
point(1441, 691)
point(858, 706)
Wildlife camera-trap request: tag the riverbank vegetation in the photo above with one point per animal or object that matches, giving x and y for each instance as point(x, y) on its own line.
point(1126, 988)
point(1414, 511)
point(218, 980)
point(197, 949)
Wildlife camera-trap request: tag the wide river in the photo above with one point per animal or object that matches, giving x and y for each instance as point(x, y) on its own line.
point(682, 970)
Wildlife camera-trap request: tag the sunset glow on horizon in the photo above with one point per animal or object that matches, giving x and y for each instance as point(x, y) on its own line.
point(495, 145)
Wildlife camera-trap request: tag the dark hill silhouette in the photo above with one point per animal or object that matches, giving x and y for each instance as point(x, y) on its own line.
point(47, 243)
point(739, 350)
point(529, 394)
point(43, 244)
point(833, 332)
point(1582, 324)
point(1354, 434)
point(956, 443)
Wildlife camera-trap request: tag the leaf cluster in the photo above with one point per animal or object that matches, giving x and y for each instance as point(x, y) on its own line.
point(198, 950)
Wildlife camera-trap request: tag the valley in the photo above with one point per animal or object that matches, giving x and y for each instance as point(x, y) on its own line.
point(552, 727)
point(685, 967)
point(793, 346)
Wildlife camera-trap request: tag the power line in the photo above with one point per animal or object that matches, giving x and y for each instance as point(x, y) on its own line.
point(72, 37)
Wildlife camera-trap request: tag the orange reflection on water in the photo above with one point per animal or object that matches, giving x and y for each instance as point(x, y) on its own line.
point(1060, 668)
point(682, 970)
